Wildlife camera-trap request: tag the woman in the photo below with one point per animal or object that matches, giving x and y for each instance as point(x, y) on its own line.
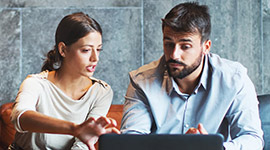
point(61, 107)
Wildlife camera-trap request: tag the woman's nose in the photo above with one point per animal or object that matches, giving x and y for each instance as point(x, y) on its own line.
point(94, 56)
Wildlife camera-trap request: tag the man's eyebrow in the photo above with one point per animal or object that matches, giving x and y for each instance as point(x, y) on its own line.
point(184, 40)
point(180, 40)
point(166, 38)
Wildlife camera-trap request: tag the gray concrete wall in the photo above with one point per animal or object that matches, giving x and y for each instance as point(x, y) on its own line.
point(132, 37)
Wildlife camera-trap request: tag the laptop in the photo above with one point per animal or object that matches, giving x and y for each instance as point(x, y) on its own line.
point(161, 142)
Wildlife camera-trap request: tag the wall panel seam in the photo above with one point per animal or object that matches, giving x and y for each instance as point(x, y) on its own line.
point(142, 33)
point(262, 47)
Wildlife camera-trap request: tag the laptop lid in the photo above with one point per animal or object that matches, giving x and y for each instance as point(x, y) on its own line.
point(161, 142)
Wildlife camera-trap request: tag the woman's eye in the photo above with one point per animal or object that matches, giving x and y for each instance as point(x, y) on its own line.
point(85, 50)
point(99, 49)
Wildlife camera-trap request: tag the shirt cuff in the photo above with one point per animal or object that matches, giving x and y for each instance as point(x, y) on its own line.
point(18, 125)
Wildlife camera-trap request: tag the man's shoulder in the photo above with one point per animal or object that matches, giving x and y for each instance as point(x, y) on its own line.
point(231, 74)
point(227, 78)
point(225, 66)
point(153, 69)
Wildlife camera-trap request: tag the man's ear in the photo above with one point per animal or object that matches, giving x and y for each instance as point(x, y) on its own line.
point(206, 47)
point(62, 49)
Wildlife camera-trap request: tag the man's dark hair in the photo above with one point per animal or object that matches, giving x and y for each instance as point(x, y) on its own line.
point(189, 17)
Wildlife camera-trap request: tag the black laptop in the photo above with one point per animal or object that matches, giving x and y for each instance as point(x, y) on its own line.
point(161, 142)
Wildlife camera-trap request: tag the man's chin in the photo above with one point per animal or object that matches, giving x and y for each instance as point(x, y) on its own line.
point(179, 74)
point(174, 73)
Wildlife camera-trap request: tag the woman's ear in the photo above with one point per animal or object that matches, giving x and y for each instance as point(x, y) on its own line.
point(62, 49)
point(206, 47)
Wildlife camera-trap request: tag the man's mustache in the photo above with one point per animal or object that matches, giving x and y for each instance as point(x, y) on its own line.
point(175, 61)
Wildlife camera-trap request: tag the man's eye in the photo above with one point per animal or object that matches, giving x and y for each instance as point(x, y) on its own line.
point(185, 47)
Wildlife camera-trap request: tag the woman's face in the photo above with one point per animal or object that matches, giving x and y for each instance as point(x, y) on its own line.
point(82, 56)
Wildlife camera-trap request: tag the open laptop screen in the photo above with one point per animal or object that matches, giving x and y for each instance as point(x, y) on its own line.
point(161, 142)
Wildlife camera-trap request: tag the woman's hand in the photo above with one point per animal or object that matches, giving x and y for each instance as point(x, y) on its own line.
point(89, 131)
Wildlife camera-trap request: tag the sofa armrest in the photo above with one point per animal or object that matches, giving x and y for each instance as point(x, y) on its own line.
point(7, 130)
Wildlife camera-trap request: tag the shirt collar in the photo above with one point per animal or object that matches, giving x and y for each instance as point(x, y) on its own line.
point(204, 76)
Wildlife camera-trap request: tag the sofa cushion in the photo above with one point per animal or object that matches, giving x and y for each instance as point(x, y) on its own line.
point(116, 112)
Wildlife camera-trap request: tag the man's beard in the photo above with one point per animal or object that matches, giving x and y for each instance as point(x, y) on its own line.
point(187, 70)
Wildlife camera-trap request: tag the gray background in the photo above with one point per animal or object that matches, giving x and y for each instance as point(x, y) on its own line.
point(132, 37)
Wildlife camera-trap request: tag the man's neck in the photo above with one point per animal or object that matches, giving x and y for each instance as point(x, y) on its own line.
point(188, 84)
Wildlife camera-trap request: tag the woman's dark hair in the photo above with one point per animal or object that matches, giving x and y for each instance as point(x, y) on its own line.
point(71, 28)
point(189, 17)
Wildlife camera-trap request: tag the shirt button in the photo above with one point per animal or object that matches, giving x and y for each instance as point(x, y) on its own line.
point(186, 125)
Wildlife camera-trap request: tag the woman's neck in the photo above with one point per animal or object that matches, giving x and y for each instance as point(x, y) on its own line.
point(72, 85)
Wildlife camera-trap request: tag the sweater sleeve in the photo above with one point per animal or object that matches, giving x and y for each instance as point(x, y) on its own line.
point(101, 107)
point(26, 99)
point(103, 101)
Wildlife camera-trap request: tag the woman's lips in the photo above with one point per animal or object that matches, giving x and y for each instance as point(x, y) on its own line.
point(91, 68)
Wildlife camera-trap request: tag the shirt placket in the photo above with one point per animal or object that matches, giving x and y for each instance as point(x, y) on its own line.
point(186, 117)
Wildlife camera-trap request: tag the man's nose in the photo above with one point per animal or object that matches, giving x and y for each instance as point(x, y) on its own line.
point(176, 52)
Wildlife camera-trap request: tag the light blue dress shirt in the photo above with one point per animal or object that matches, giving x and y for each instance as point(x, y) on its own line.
point(224, 101)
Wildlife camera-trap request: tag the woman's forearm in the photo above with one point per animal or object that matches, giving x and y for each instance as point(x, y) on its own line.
point(88, 132)
point(36, 122)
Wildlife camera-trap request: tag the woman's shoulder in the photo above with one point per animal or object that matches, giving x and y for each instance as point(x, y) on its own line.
point(36, 78)
point(101, 83)
point(101, 90)
point(34, 81)
point(41, 75)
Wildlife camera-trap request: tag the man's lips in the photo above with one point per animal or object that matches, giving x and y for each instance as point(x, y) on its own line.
point(91, 68)
point(175, 64)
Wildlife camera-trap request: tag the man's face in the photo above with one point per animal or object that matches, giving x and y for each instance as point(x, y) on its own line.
point(183, 52)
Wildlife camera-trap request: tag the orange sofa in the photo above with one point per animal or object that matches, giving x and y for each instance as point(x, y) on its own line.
point(7, 130)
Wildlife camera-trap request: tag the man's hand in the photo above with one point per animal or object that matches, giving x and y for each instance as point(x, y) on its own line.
point(89, 131)
point(200, 129)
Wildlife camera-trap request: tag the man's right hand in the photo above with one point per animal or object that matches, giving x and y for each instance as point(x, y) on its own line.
point(199, 130)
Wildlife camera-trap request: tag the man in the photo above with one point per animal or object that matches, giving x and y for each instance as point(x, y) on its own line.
point(189, 90)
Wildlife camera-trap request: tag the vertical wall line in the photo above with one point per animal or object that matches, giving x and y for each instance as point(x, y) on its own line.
point(142, 32)
point(21, 51)
point(262, 48)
